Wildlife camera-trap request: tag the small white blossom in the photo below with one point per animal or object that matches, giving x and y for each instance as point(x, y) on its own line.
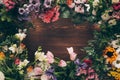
point(116, 63)
point(2, 76)
point(95, 3)
point(105, 16)
point(40, 56)
point(13, 48)
point(93, 12)
point(20, 36)
point(115, 44)
point(23, 64)
point(112, 22)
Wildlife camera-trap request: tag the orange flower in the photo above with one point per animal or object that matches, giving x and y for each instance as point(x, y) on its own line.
point(69, 2)
point(2, 56)
point(29, 69)
point(110, 54)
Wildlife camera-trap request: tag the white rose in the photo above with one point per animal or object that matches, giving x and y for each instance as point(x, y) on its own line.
point(40, 56)
point(2, 76)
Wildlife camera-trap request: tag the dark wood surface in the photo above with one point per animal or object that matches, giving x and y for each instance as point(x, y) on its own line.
point(56, 37)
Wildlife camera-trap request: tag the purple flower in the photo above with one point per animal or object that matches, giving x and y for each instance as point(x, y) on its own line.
point(79, 64)
point(50, 73)
point(47, 3)
point(36, 4)
point(21, 11)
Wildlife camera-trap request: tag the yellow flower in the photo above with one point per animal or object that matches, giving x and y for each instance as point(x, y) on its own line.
point(2, 56)
point(115, 74)
point(110, 54)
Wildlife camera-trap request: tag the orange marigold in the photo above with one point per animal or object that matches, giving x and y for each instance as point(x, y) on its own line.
point(110, 54)
point(2, 56)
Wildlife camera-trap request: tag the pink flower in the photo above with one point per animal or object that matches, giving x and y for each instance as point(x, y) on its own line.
point(9, 4)
point(17, 61)
point(37, 71)
point(91, 74)
point(62, 63)
point(72, 53)
point(116, 6)
point(51, 15)
point(50, 57)
point(82, 71)
point(56, 14)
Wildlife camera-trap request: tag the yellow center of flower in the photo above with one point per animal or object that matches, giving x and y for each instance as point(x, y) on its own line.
point(2, 56)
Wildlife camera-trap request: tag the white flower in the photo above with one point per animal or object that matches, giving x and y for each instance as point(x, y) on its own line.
point(105, 16)
point(88, 7)
point(115, 1)
point(20, 35)
point(44, 77)
point(114, 43)
point(93, 12)
point(95, 3)
point(2, 76)
point(44, 65)
point(118, 50)
point(13, 48)
point(112, 22)
point(23, 64)
point(40, 56)
point(116, 63)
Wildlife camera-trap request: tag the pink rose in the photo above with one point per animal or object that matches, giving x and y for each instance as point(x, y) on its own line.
point(72, 53)
point(37, 71)
point(17, 61)
point(62, 63)
point(50, 57)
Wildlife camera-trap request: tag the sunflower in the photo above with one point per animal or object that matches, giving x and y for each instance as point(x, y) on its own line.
point(110, 54)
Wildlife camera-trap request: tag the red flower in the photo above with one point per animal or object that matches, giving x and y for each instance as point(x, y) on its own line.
point(88, 62)
point(116, 6)
point(51, 15)
point(17, 61)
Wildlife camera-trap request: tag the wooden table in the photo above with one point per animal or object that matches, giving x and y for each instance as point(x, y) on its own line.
point(56, 37)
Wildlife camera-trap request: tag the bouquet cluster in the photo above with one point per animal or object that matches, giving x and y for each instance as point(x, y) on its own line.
point(13, 57)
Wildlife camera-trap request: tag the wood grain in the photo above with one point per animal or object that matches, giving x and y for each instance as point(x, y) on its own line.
point(56, 37)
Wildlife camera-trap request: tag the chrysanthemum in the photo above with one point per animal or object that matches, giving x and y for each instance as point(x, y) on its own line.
point(110, 54)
